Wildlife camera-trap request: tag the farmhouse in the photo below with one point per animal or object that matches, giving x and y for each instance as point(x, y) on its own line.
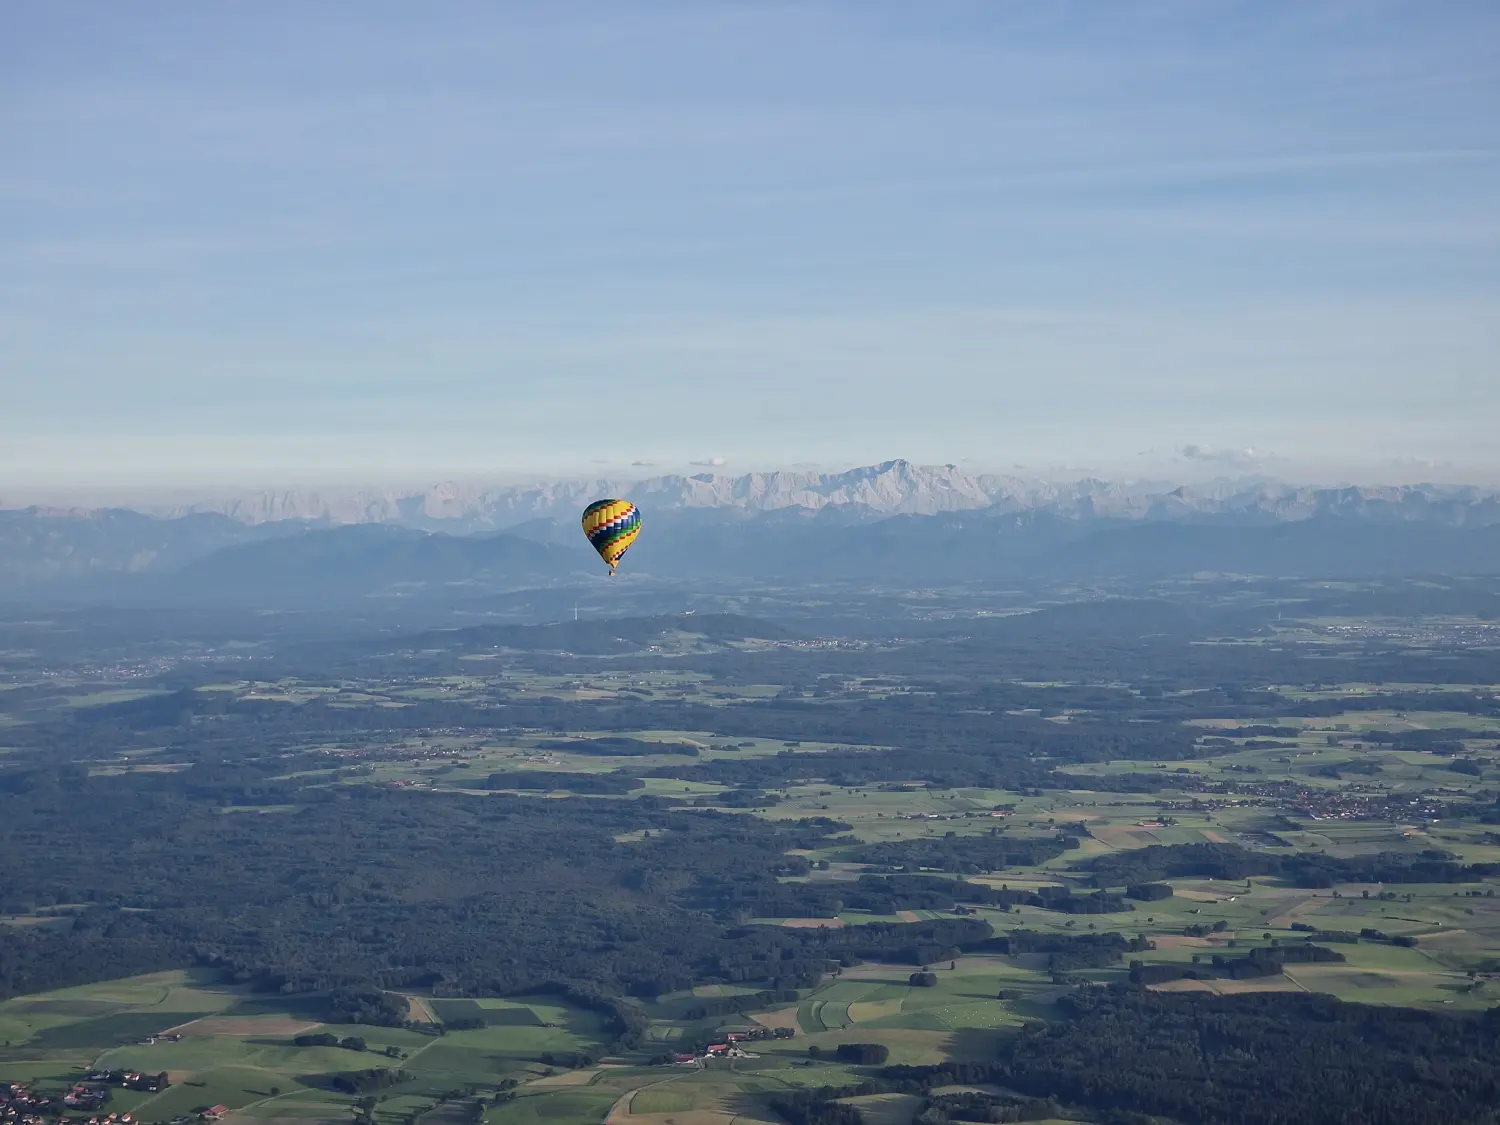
point(84, 1097)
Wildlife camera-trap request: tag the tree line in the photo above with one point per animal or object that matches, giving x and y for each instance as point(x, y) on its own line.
point(1302, 869)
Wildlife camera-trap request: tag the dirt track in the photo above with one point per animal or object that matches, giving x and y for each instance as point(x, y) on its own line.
point(420, 1010)
point(243, 1025)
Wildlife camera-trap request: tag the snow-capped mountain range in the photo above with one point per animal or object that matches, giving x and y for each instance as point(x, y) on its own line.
point(924, 522)
point(891, 488)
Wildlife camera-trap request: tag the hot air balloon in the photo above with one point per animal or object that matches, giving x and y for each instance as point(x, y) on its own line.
point(611, 527)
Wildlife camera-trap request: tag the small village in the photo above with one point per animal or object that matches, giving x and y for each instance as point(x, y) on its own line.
point(1350, 801)
point(1396, 808)
point(20, 1105)
point(732, 1046)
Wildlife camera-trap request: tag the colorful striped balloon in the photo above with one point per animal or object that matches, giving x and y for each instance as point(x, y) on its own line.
point(611, 526)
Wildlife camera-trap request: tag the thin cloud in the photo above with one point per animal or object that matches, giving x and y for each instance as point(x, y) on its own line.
point(1246, 458)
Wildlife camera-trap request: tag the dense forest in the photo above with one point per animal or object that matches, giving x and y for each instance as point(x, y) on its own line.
point(1260, 1059)
point(314, 888)
point(967, 855)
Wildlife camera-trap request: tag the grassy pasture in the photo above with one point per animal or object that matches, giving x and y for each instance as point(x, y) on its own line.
point(887, 1109)
point(572, 1104)
point(663, 1099)
point(494, 1014)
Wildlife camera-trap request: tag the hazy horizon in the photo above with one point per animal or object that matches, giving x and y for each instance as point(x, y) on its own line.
point(276, 246)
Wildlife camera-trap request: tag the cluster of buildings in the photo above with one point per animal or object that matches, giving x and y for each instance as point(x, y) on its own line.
point(1454, 634)
point(424, 744)
point(127, 670)
point(1351, 801)
point(1357, 806)
point(108, 1119)
point(965, 815)
point(732, 1046)
point(714, 1051)
point(85, 1097)
point(19, 1106)
point(130, 1079)
point(1209, 804)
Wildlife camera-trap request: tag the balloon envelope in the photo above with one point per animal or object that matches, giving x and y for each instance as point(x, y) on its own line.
point(611, 527)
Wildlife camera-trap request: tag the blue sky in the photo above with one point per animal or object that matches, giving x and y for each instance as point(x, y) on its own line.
point(276, 243)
